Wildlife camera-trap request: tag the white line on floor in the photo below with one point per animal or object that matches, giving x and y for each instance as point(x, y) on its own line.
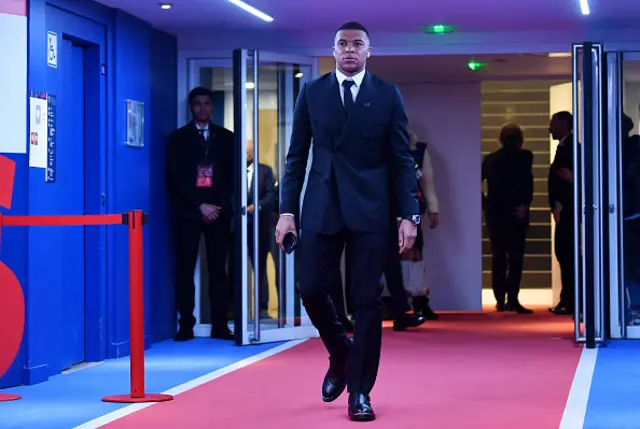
point(129, 409)
point(576, 408)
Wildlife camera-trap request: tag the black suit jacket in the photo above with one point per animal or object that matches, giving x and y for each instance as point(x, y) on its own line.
point(509, 176)
point(184, 154)
point(353, 158)
point(561, 190)
point(266, 194)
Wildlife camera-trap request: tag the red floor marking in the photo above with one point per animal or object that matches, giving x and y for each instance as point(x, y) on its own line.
point(479, 371)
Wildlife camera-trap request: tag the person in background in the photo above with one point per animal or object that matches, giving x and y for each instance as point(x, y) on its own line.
point(200, 181)
point(562, 204)
point(509, 175)
point(429, 203)
point(264, 212)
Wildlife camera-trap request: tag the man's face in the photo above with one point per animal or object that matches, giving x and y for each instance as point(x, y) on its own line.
point(350, 50)
point(201, 108)
point(557, 128)
point(249, 152)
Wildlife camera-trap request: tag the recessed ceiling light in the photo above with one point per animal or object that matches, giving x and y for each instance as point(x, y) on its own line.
point(165, 6)
point(252, 10)
point(584, 7)
point(299, 75)
point(249, 85)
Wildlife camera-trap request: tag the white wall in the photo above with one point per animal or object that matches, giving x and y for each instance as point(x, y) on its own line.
point(447, 116)
point(267, 100)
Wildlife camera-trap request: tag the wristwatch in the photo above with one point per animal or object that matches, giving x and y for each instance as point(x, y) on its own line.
point(414, 218)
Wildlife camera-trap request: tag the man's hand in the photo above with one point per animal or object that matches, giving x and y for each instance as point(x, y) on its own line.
point(557, 209)
point(210, 212)
point(286, 224)
point(565, 174)
point(407, 232)
point(433, 220)
point(250, 209)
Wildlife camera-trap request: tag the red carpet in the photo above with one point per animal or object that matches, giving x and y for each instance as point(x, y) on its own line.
point(474, 371)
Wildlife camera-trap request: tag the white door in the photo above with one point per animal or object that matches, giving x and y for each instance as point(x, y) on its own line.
point(267, 305)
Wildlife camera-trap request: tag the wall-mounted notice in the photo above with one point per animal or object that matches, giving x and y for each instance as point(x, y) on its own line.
point(52, 49)
point(38, 130)
point(135, 123)
point(51, 139)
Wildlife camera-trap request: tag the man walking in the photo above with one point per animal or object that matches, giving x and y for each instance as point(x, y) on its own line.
point(359, 130)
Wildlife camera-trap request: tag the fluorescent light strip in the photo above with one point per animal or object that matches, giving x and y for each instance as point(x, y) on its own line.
point(252, 10)
point(584, 7)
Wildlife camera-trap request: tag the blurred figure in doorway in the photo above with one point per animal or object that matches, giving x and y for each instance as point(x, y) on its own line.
point(509, 175)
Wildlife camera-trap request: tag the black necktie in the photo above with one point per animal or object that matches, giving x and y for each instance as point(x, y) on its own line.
point(203, 142)
point(348, 97)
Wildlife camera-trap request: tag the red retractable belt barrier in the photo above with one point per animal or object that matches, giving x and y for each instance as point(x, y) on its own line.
point(135, 220)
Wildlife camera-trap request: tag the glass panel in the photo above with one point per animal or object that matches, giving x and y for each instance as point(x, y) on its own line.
point(630, 184)
point(269, 296)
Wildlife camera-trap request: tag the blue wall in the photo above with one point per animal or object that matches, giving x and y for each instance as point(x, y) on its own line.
point(141, 64)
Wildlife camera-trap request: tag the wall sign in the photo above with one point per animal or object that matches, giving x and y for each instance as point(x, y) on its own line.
point(135, 123)
point(52, 49)
point(42, 133)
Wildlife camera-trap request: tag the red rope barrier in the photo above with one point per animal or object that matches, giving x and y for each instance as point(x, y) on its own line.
point(62, 220)
point(135, 221)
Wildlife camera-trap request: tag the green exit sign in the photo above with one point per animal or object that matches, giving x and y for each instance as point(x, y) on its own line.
point(438, 29)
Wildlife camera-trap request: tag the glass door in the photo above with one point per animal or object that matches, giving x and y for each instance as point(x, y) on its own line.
point(267, 306)
point(623, 105)
point(590, 253)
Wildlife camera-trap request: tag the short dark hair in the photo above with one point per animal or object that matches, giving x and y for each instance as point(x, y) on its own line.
point(199, 91)
point(565, 117)
point(511, 136)
point(354, 25)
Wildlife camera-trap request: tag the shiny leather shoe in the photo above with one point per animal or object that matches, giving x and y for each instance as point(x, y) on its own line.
point(407, 321)
point(335, 381)
point(360, 409)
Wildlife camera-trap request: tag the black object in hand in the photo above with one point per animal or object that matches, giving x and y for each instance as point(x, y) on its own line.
point(290, 242)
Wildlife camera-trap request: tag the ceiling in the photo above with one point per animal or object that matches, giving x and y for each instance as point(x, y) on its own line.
point(405, 16)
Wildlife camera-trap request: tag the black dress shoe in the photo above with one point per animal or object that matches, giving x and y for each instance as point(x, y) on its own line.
point(360, 409)
point(518, 308)
point(561, 310)
point(222, 333)
point(407, 321)
point(335, 381)
point(183, 335)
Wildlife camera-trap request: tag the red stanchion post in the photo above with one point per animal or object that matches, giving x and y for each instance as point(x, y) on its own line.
point(136, 313)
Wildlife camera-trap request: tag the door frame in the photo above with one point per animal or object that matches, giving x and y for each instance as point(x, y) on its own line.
point(618, 328)
point(241, 322)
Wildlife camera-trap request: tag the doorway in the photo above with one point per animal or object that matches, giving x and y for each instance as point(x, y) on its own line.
point(77, 86)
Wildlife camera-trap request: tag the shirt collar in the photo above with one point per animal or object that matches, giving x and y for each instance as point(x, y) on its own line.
point(563, 140)
point(357, 79)
point(206, 127)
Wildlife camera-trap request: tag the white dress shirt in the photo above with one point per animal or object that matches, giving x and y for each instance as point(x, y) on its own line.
point(205, 129)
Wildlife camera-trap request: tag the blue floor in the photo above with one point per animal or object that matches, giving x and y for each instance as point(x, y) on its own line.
point(614, 401)
point(66, 401)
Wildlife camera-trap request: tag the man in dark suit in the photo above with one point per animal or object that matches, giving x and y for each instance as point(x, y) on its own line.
point(200, 183)
point(561, 202)
point(509, 175)
point(359, 130)
point(266, 197)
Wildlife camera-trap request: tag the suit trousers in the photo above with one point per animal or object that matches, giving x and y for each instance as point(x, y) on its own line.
point(187, 234)
point(317, 263)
